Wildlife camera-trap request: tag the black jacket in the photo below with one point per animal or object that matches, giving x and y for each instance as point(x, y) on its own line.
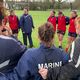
point(70, 71)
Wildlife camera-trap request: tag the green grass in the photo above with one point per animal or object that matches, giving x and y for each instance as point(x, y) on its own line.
point(40, 17)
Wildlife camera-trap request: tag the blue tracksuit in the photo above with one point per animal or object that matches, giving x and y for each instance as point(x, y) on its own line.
point(34, 59)
point(26, 24)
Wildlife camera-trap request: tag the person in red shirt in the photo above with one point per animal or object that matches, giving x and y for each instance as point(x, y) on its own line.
point(61, 28)
point(13, 22)
point(72, 30)
point(52, 19)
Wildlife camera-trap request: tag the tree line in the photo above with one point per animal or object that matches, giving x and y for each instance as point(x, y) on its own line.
point(45, 5)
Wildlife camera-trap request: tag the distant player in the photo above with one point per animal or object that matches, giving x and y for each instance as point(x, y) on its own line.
point(13, 23)
point(61, 28)
point(26, 23)
point(72, 30)
point(52, 19)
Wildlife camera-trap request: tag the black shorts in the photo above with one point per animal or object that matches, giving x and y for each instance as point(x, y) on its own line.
point(61, 32)
point(15, 31)
point(72, 34)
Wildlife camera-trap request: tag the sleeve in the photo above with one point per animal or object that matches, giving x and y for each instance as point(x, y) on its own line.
point(32, 22)
point(72, 69)
point(22, 22)
point(25, 69)
point(20, 47)
point(68, 72)
point(17, 50)
point(65, 57)
point(75, 52)
point(67, 20)
point(18, 22)
point(52, 74)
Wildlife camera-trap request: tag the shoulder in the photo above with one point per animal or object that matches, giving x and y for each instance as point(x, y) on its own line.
point(61, 52)
point(29, 16)
point(8, 40)
point(16, 16)
point(29, 55)
point(31, 52)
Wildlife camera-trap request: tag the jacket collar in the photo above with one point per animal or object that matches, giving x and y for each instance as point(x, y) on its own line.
point(25, 14)
point(42, 46)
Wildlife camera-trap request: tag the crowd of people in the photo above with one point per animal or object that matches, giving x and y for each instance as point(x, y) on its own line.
point(46, 62)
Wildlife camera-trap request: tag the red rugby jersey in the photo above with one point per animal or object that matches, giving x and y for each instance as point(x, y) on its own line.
point(13, 22)
point(72, 25)
point(61, 23)
point(52, 19)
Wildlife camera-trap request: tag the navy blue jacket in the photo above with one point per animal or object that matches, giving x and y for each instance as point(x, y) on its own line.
point(34, 59)
point(26, 23)
point(10, 52)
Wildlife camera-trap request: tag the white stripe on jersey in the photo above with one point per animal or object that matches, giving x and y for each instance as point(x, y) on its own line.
point(4, 37)
point(7, 38)
point(78, 62)
point(4, 64)
point(72, 51)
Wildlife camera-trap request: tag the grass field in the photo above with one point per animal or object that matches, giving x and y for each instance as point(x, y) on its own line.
point(39, 17)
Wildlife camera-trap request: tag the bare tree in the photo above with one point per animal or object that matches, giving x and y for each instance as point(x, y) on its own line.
point(52, 3)
point(59, 4)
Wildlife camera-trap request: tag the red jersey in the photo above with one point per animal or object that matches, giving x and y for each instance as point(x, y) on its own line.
point(52, 19)
point(13, 22)
point(62, 23)
point(72, 25)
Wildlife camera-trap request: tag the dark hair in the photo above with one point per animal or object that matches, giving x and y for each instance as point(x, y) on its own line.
point(75, 12)
point(11, 10)
point(60, 12)
point(46, 32)
point(27, 8)
point(53, 11)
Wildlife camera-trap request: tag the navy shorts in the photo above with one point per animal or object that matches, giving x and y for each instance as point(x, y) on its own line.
point(15, 31)
point(61, 32)
point(72, 34)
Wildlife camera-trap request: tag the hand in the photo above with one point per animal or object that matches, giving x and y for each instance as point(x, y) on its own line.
point(43, 72)
point(33, 27)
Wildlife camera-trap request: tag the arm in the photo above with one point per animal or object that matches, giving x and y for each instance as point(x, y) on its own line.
point(25, 69)
point(18, 23)
point(22, 22)
point(67, 20)
point(32, 22)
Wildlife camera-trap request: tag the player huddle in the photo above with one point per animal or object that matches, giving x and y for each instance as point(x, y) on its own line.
point(60, 24)
point(47, 62)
